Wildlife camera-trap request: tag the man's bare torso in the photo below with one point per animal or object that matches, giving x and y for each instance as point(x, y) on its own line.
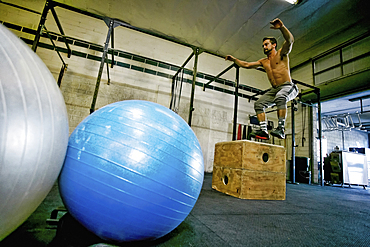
point(277, 69)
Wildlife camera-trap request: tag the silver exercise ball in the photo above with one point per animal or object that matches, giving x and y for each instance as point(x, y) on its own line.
point(33, 131)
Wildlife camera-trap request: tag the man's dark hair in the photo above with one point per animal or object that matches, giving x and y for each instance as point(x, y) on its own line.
point(272, 40)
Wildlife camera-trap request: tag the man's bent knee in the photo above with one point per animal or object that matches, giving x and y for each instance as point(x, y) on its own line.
point(258, 107)
point(281, 102)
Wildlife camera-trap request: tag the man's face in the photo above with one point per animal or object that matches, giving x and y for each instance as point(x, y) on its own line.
point(267, 46)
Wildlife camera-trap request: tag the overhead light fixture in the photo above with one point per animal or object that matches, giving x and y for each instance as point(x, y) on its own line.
point(293, 1)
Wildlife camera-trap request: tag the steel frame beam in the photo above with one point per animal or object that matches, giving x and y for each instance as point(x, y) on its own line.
point(111, 25)
point(61, 30)
point(317, 92)
point(293, 139)
point(49, 5)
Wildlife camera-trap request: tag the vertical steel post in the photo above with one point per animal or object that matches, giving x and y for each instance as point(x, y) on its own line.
point(317, 91)
point(172, 92)
point(112, 45)
point(191, 108)
point(311, 147)
point(236, 102)
point(61, 73)
point(92, 109)
point(107, 62)
point(342, 139)
point(293, 142)
point(41, 25)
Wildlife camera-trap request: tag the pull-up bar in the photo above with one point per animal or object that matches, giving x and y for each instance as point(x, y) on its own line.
point(217, 76)
point(236, 94)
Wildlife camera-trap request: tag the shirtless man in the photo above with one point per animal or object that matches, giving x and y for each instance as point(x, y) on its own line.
point(283, 90)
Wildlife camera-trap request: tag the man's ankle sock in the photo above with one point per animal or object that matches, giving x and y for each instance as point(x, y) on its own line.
point(281, 123)
point(263, 125)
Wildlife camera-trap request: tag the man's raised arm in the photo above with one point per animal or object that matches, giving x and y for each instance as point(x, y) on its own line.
point(288, 36)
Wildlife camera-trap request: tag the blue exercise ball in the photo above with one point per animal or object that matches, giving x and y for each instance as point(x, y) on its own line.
point(133, 171)
point(33, 131)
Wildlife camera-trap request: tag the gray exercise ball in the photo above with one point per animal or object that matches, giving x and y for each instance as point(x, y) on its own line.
point(33, 131)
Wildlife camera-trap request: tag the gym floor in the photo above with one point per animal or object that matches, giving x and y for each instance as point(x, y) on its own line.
point(311, 215)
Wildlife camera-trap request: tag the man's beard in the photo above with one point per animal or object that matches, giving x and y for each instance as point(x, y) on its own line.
point(267, 51)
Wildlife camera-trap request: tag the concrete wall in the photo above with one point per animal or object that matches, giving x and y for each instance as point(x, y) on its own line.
point(346, 139)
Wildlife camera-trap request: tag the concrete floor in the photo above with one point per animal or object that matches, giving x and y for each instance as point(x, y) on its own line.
point(311, 215)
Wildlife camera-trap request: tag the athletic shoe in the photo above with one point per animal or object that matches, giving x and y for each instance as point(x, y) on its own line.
point(260, 134)
point(278, 132)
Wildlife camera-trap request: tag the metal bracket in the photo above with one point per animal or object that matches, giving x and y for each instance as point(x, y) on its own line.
point(53, 221)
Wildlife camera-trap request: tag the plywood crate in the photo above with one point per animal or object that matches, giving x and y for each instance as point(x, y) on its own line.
point(250, 170)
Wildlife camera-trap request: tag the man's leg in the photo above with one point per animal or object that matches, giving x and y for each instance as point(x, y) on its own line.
point(261, 117)
point(281, 116)
point(279, 132)
point(263, 121)
point(263, 102)
point(287, 93)
point(262, 132)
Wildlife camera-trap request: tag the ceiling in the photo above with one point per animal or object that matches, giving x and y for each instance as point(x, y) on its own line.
point(237, 26)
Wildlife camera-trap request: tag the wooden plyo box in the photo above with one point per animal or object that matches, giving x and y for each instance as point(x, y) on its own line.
point(250, 170)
